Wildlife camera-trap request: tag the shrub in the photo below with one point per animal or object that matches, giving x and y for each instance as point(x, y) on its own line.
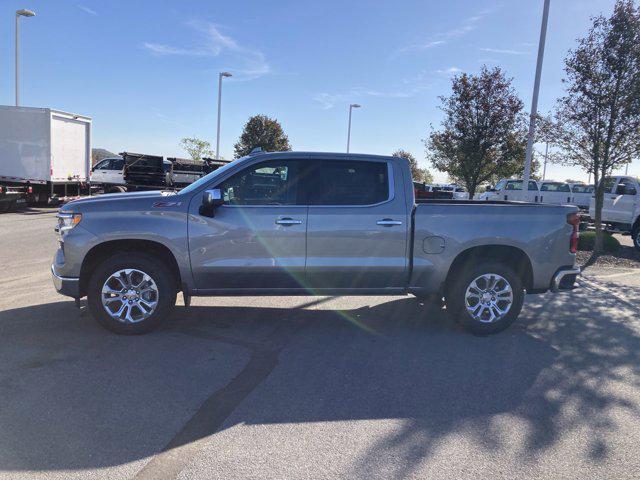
point(588, 240)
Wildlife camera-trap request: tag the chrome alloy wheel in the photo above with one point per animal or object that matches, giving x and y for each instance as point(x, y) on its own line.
point(488, 298)
point(129, 295)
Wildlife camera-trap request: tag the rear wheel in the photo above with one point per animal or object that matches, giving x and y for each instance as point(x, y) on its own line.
point(485, 298)
point(131, 293)
point(118, 189)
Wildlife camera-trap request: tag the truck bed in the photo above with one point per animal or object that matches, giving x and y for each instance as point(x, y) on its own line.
point(443, 229)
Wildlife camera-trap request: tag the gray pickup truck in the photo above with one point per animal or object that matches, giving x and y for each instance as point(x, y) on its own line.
point(293, 223)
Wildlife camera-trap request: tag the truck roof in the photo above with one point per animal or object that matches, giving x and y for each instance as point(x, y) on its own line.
point(326, 155)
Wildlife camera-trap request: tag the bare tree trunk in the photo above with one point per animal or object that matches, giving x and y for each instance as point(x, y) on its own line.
point(598, 219)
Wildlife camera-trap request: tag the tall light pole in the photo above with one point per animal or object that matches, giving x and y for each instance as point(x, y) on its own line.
point(536, 90)
point(20, 13)
point(221, 75)
point(351, 107)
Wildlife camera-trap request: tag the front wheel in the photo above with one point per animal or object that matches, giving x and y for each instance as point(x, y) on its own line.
point(636, 238)
point(485, 298)
point(131, 293)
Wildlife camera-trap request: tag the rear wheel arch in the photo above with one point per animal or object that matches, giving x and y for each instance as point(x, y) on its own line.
point(511, 256)
point(101, 252)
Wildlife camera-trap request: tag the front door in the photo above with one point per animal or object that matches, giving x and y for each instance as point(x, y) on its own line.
point(624, 201)
point(358, 224)
point(257, 239)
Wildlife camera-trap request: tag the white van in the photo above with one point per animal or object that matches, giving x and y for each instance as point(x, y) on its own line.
point(581, 195)
point(511, 190)
point(555, 192)
point(621, 208)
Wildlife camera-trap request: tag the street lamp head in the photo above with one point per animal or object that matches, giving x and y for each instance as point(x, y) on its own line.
point(25, 13)
point(225, 74)
point(355, 105)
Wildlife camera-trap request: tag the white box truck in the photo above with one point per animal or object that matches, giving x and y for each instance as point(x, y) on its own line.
point(44, 154)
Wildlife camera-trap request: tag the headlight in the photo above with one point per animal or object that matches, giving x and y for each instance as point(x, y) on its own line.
point(66, 221)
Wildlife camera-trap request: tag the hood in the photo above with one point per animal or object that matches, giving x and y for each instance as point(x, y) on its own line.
point(97, 200)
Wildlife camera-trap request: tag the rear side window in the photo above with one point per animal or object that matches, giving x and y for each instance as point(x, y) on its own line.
point(555, 187)
point(116, 164)
point(336, 182)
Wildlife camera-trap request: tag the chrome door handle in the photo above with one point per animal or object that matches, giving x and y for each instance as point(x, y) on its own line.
point(387, 222)
point(288, 221)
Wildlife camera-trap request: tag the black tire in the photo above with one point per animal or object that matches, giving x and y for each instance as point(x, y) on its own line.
point(10, 206)
point(164, 281)
point(635, 235)
point(464, 277)
point(118, 189)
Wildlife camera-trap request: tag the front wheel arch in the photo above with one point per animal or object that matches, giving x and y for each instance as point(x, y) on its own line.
point(104, 250)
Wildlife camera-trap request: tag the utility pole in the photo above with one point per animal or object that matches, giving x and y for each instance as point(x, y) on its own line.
point(221, 75)
point(351, 107)
point(20, 13)
point(536, 91)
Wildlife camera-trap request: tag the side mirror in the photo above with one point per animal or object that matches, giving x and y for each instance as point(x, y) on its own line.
point(490, 188)
point(210, 201)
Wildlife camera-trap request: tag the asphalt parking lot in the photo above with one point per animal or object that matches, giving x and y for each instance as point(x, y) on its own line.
point(307, 387)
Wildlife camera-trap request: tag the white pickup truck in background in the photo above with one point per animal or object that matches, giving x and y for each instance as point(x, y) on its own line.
point(621, 208)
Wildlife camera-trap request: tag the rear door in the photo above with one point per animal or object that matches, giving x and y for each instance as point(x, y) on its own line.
point(69, 148)
point(257, 239)
point(358, 225)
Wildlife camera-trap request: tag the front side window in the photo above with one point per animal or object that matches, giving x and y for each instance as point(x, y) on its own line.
point(274, 182)
point(514, 185)
point(533, 186)
point(101, 165)
point(337, 182)
point(609, 182)
point(501, 184)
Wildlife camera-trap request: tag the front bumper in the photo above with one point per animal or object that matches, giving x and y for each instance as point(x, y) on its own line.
point(564, 279)
point(65, 285)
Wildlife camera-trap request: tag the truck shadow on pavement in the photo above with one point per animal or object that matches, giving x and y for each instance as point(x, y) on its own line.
point(73, 396)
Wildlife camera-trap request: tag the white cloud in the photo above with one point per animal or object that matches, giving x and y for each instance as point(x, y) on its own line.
point(329, 100)
point(88, 10)
point(505, 51)
point(467, 25)
point(246, 63)
point(449, 71)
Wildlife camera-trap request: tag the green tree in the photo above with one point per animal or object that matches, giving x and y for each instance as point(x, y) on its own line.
point(422, 175)
point(598, 120)
point(197, 149)
point(483, 135)
point(261, 131)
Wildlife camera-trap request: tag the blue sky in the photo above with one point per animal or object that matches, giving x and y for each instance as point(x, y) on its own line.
point(146, 71)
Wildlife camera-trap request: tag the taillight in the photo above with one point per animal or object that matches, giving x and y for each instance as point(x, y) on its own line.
point(30, 189)
point(573, 219)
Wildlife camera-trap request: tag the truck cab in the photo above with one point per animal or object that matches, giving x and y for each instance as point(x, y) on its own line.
point(621, 207)
point(108, 172)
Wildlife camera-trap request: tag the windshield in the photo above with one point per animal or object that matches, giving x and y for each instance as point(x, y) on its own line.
point(501, 184)
point(207, 178)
